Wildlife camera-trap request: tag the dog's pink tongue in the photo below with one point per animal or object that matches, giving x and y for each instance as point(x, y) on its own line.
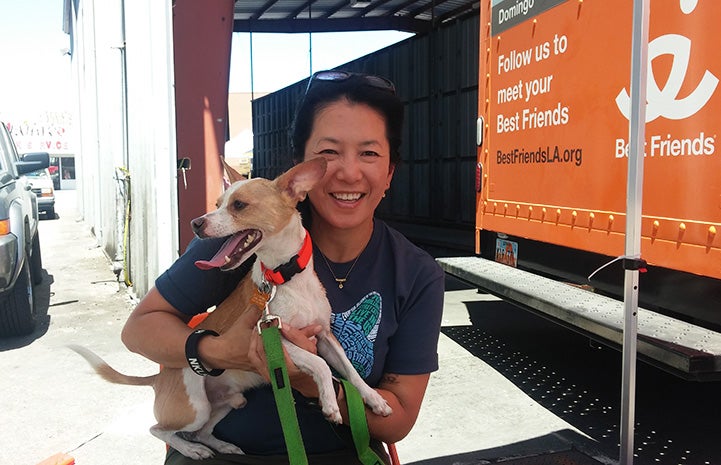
point(226, 250)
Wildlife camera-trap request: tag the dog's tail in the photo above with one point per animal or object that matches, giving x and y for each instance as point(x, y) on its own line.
point(108, 373)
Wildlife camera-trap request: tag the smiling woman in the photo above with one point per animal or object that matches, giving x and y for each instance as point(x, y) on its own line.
point(359, 172)
point(386, 294)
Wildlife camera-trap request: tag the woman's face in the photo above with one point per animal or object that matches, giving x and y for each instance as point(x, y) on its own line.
point(352, 137)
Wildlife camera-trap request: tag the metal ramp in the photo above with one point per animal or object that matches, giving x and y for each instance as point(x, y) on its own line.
point(686, 350)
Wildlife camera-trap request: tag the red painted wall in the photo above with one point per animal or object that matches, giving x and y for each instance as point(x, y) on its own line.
point(202, 37)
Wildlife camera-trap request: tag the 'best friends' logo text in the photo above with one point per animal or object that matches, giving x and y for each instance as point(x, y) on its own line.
point(665, 102)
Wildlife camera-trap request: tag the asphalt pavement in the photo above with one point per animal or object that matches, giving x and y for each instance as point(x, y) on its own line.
point(53, 403)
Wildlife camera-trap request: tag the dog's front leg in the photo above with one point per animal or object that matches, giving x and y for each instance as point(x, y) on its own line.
point(316, 367)
point(330, 349)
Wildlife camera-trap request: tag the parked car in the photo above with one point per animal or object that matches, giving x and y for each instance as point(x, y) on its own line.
point(20, 259)
point(42, 185)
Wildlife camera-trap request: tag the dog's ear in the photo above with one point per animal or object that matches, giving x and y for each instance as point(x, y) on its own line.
point(297, 181)
point(233, 175)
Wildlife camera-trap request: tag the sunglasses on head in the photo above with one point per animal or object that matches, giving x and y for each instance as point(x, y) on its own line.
point(338, 76)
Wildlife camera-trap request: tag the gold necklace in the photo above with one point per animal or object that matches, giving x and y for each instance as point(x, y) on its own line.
point(342, 280)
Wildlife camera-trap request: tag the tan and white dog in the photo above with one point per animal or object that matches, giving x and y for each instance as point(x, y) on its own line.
point(261, 218)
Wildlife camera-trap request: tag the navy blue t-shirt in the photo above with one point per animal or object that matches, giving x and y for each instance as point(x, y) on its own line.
point(387, 317)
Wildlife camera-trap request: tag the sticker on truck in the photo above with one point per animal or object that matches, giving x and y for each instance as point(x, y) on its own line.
point(507, 252)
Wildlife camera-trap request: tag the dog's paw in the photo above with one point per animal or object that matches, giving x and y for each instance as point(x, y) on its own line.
point(378, 404)
point(332, 414)
point(217, 445)
point(228, 448)
point(195, 451)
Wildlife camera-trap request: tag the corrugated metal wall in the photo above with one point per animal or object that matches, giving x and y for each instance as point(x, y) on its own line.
point(123, 66)
point(432, 197)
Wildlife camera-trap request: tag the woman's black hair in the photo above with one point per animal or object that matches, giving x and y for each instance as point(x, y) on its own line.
point(356, 89)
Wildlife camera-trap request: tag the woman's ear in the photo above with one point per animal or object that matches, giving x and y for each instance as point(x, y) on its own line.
point(391, 170)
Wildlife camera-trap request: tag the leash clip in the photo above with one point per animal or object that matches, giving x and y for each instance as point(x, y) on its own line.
point(267, 318)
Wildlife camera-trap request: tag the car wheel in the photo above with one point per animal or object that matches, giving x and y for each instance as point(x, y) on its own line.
point(17, 310)
point(50, 213)
point(36, 261)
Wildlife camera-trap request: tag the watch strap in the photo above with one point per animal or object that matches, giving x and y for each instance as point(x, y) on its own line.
point(192, 356)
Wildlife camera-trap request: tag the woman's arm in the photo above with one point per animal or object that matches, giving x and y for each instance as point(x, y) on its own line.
point(404, 394)
point(158, 331)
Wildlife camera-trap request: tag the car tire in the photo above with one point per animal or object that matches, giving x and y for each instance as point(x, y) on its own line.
point(50, 213)
point(17, 310)
point(36, 261)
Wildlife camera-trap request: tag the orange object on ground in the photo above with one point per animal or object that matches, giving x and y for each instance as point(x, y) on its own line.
point(58, 459)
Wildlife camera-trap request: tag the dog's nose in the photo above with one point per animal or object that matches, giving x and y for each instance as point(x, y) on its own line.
point(197, 225)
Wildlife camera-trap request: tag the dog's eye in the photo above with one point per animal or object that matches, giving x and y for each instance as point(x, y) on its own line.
point(238, 205)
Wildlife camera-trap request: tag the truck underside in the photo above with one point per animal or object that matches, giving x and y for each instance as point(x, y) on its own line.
point(685, 296)
point(680, 347)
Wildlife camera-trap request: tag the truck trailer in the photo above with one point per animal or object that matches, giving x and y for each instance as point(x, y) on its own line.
point(551, 177)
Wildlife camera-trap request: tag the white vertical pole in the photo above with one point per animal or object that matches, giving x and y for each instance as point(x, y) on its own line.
point(634, 191)
point(252, 74)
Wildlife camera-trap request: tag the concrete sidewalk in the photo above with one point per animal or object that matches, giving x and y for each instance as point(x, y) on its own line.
point(53, 402)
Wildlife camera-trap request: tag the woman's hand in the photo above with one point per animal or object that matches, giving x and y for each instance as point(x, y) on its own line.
point(231, 349)
point(305, 338)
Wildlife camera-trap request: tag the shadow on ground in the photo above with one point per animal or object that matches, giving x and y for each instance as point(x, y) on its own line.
point(580, 382)
point(555, 447)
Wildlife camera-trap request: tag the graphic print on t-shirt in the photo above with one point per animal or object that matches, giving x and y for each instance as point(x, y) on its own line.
point(357, 329)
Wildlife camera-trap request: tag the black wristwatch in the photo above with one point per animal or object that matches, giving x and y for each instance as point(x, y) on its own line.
point(191, 353)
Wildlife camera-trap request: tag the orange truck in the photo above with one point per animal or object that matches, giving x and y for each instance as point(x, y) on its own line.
point(553, 135)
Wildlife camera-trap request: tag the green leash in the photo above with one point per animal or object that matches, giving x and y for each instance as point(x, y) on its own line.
point(285, 403)
point(359, 425)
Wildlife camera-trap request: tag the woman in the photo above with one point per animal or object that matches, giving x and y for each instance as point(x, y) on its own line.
point(386, 294)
